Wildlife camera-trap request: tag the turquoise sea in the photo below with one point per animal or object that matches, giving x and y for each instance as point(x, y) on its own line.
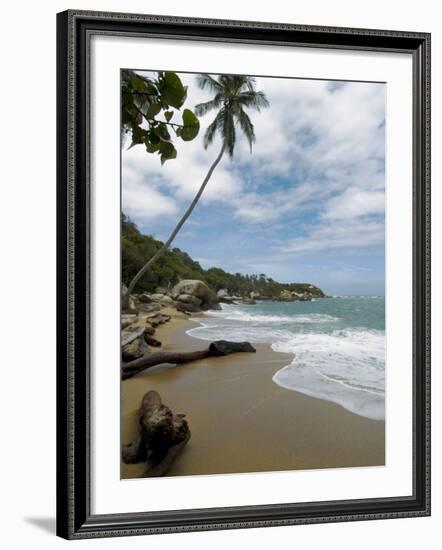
point(338, 345)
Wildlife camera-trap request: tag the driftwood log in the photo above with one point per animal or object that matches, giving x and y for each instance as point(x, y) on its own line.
point(215, 349)
point(162, 435)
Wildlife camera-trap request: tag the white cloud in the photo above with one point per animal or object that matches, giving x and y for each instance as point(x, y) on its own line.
point(353, 203)
point(324, 140)
point(141, 200)
point(356, 235)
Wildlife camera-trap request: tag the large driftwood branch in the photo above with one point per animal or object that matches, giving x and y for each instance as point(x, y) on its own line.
point(162, 435)
point(216, 349)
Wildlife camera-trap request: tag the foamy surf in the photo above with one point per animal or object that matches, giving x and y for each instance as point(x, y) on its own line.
point(338, 346)
point(345, 367)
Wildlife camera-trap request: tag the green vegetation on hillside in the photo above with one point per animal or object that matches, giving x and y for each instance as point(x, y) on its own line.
point(175, 265)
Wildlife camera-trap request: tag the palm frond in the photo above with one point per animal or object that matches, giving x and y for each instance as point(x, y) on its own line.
point(247, 127)
point(215, 125)
point(233, 93)
point(203, 108)
point(251, 83)
point(253, 100)
point(205, 81)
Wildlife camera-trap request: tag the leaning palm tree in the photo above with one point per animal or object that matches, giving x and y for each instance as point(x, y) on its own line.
point(232, 95)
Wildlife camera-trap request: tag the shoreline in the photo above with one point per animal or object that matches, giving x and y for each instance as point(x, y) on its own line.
point(225, 398)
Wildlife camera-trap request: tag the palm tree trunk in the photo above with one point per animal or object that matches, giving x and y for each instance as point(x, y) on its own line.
point(172, 236)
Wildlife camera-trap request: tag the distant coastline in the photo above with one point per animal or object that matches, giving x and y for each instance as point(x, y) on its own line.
point(176, 265)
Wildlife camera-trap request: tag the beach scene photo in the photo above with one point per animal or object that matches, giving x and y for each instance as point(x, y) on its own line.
point(252, 274)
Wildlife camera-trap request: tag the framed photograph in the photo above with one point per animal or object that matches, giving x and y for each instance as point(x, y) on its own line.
point(243, 274)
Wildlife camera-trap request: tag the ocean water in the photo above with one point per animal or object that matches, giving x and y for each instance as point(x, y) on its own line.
point(338, 345)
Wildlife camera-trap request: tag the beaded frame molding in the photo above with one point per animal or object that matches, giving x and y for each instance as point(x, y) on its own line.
point(74, 32)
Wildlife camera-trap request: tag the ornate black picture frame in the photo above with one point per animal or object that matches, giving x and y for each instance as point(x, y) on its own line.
point(74, 32)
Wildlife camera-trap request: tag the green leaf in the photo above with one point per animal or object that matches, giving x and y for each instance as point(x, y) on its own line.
point(138, 84)
point(138, 134)
point(153, 139)
point(153, 110)
point(152, 147)
point(162, 132)
point(172, 90)
point(168, 115)
point(191, 126)
point(167, 151)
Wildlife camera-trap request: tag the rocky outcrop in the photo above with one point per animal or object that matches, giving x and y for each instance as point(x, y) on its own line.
point(286, 295)
point(149, 308)
point(189, 299)
point(224, 297)
point(248, 301)
point(132, 343)
point(194, 288)
point(291, 296)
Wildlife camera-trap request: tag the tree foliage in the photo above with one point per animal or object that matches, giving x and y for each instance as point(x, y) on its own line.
point(150, 112)
point(232, 95)
point(175, 265)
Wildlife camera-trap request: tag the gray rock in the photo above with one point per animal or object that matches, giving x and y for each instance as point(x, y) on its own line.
point(149, 308)
point(145, 298)
point(189, 299)
point(186, 307)
point(192, 287)
point(196, 288)
point(133, 350)
point(131, 334)
point(157, 297)
point(222, 293)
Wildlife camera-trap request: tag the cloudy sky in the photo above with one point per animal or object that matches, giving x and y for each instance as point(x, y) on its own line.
point(306, 206)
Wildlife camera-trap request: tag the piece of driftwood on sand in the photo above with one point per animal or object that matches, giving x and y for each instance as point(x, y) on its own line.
point(162, 435)
point(215, 349)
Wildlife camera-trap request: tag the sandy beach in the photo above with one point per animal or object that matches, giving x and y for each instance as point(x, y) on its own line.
point(240, 420)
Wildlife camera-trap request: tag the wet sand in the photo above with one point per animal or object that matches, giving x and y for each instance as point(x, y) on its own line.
point(241, 421)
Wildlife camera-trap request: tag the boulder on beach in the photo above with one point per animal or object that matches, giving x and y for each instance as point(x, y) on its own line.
point(145, 298)
point(222, 293)
point(189, 299)
point(132, 344)
point(224, 296)
point(157, 297)
point(197, 289)
point(286, 295)
point(185, 307)
point(149, 308)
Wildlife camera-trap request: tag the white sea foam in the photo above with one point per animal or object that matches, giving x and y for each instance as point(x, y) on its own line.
point(238, 315)
point(236, 332)
point(346, 367)
point(342, 365)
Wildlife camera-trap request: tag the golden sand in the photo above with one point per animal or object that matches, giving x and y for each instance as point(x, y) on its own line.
point(241, 421)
